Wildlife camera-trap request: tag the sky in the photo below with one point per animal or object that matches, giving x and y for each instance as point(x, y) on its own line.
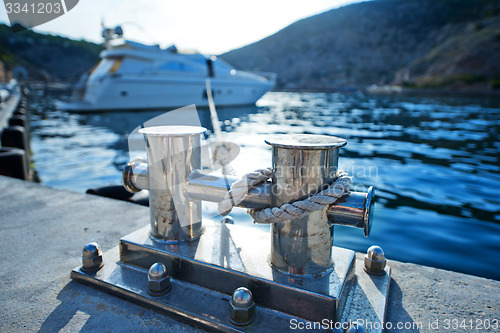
point(209, 26)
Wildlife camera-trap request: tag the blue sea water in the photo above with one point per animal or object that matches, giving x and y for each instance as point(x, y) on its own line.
point(434, 162)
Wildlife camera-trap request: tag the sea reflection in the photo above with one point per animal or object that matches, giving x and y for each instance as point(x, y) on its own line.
point(433, 161)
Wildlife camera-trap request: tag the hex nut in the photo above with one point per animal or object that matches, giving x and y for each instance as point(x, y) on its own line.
point(242, 307)
point(91, 257)
point(158, 280)
point(375, 261)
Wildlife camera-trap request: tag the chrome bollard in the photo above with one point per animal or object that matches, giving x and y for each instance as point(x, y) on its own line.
point(173, 153)
point(299, 274)
point(302, 165)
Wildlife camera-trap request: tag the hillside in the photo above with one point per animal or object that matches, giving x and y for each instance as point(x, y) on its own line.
point(46, 57)
point(467, 56)
point(415, 43)
point(410, 42)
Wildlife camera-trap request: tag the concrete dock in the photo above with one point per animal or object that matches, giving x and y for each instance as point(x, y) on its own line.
point(43, 230)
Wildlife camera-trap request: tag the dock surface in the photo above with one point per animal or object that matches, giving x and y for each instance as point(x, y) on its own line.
point(42, 232)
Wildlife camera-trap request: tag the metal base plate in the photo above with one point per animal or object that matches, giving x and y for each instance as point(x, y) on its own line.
point(206, 271)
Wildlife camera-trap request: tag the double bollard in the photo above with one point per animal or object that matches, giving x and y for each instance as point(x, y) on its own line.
point(302, 165)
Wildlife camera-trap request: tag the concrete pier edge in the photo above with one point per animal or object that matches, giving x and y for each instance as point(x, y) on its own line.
point(43, 230)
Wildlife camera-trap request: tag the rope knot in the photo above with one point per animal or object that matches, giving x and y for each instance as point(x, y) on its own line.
point(288, 211)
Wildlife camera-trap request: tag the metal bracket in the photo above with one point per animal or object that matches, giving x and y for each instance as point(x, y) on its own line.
point(205, 272)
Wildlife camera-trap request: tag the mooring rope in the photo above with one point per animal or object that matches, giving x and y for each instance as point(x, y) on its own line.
point(239, 189)
point(289, 211)
point(221, 152)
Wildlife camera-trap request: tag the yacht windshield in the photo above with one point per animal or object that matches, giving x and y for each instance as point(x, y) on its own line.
point(107, 65)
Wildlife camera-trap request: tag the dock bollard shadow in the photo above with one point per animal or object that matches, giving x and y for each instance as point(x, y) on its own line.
point(396, 313)
point(86, 309)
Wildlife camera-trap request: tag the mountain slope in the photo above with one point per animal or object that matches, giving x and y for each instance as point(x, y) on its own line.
point(364, 43)
point(468, 57)
point(46, 57)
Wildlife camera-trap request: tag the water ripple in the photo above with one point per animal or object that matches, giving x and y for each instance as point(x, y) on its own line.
point(434, 163)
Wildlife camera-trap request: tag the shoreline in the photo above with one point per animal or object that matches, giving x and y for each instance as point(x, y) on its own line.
point(403, 91)
point(370, 90)
point(458, 92)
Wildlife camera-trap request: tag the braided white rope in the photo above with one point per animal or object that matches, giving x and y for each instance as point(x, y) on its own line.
point(297, 209)
point(239, 189)
point(302, 208)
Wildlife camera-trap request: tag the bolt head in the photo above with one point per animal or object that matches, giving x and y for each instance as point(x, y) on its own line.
point(242, 297)
point(242, 307)
point(158, 280)
point(227, 220)
point(91, 250)
point(375, 261)
point(91, 257)
point(375, 253)
point(157, 271)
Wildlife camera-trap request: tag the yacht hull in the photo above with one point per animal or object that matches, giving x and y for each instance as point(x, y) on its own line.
point(150, 93)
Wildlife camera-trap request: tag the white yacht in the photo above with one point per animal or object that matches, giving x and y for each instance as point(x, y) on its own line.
point(136, 76)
